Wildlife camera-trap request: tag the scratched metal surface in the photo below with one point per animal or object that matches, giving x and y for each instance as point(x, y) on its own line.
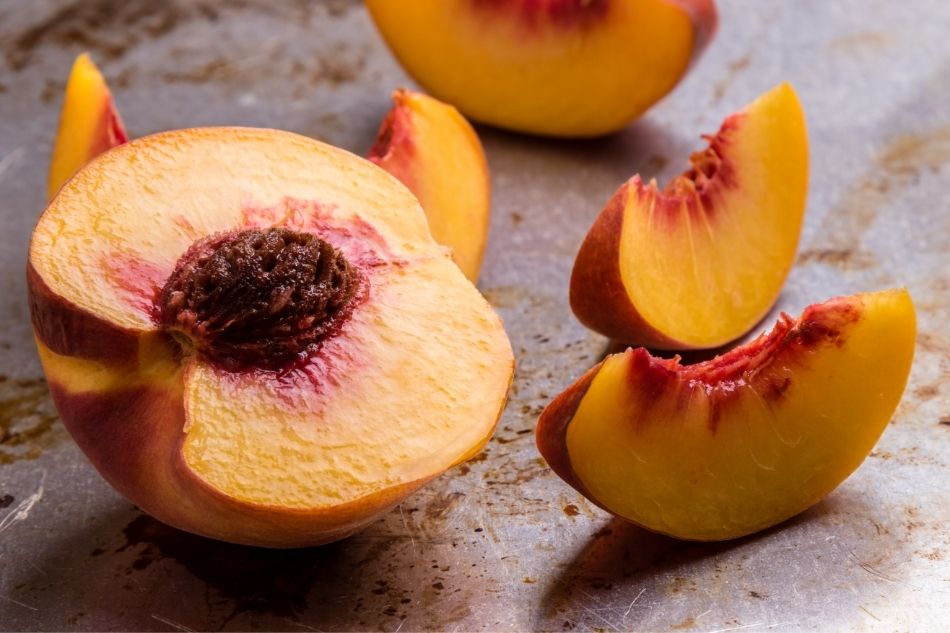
point(500, 543)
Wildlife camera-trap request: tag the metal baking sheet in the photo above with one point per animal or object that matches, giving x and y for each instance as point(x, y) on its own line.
point(501, 543)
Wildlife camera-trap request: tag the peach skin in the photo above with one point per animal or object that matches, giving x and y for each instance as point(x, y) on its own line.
point(88, 125)
point(253, 336)
point(730, 446)
point(699, 263)
point(570, 68)
point(434, 151)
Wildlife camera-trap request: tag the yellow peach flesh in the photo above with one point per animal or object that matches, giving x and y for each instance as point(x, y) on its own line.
point(697, 265)
point(698, 456)
point(558, 68)
point(412, 383)
point(434, 151)
point(89, 123)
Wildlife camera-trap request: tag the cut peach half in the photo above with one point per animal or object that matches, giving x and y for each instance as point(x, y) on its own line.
point(700, 263)
point(253, 336)
point(570, 68)
point(733, 445)
point(434, 151)
point(88, 125)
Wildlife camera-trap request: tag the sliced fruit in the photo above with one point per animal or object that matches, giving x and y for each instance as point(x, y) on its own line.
point(700, 263)
point(253, 336)
point(730, 446)
point(556, 67)
point(88, 125)
point(434, 151)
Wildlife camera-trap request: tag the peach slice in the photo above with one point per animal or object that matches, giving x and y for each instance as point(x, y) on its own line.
point(253, 336)
point(88, 125)
point(434, 151)
point(733, 445)
point(700, 263)
point(569, 68)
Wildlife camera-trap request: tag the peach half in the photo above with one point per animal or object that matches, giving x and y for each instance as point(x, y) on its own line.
point(730, 446)
point(700, 263)
point(88, 125)
point(434, 151)
point(570, 68)
point(253, 336)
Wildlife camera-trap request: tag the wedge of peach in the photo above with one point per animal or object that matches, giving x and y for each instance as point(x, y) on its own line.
point(88, 125)
point(700, 263)
point(733, 445)
point(571, 68)
point(253, 336)
point(434, 151)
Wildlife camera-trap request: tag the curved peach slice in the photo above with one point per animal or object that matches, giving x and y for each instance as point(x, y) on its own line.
point(734, 445)
point(88, 125)
point(434, 151)
point(698, 264)
point(253, 336)
point(569, 68)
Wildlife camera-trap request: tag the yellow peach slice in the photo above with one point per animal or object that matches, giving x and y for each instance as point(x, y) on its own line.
point(434, 151)
point(569, 68)
point(699, 264)
point(88, 125)
point(253, 336)
point(730, 446)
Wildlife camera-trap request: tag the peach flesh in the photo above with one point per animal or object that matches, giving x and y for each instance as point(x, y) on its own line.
point(435, 152)
point(785, 419)
point(559, 67)
point(353, 435)
point(697, 264)
point(89, 123)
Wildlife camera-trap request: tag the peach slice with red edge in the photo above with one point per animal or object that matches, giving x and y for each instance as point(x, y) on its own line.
point(89, 123)
point(570, 68)
point(700, 263)
point(734, 445)
point(253, 336)
point(434, 151)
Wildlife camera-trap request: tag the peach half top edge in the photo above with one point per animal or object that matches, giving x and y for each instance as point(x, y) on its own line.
point(734, 445)
point(253, 336)
point(699, 263)
point(570, 68)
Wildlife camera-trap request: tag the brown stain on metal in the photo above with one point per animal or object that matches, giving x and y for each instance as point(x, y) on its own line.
point(442, 505)
point(107, 28)
point(688, 623)
point(28, 419)
point(843, 258)
point(571, 510)
point(927, 392)
point(898, 166)
point(734, 69)
point(860, 41)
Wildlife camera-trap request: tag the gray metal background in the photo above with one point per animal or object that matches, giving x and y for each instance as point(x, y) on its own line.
point(500, 543)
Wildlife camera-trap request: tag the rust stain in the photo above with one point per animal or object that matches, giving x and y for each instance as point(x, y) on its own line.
point(863, 40)
point(442, 505)
point(28, 420)
point(843, 258)
point(927, 392)
point(571, 510)
point(688, 623)
point(897, 167)
point(107, 28)
point(735, 67)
